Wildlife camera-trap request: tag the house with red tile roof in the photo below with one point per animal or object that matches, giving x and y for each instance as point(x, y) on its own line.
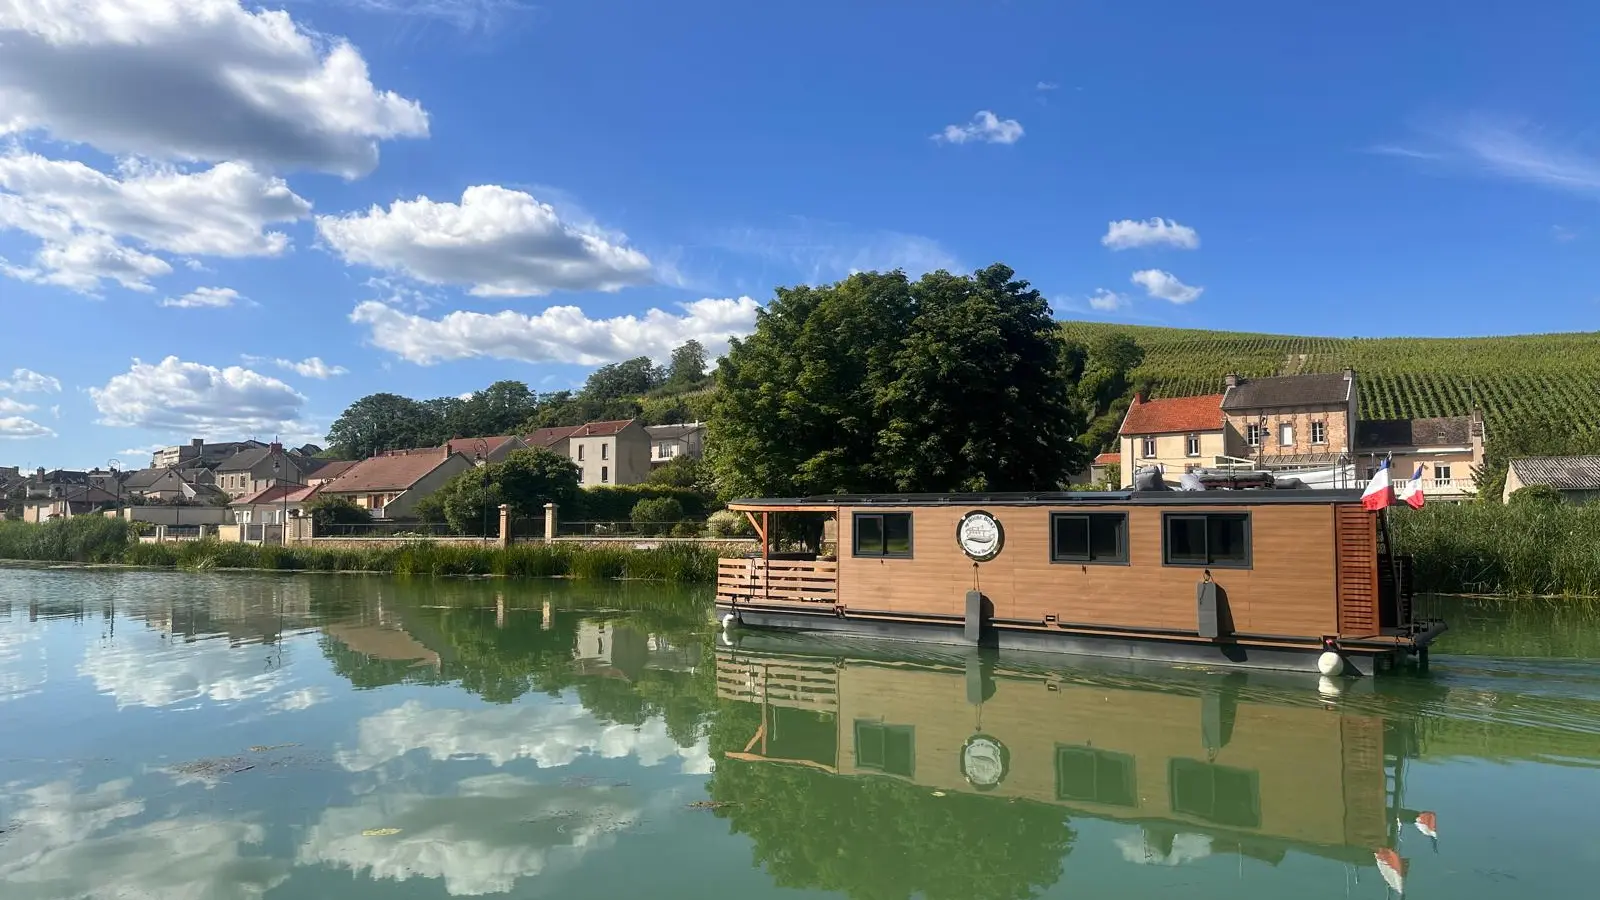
point(1174, 434)
point(269, 505)
point(492, 449)
point(390, 484)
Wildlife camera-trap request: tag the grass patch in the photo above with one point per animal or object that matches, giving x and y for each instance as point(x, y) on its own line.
point(1487, 548)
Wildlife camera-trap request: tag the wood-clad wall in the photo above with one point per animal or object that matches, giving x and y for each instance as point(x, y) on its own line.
point(1358, 571)
point(1290, 590)
point(1311, 786)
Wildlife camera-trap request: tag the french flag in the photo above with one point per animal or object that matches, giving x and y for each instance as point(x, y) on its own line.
point(1380, 492)
point(1411, 491)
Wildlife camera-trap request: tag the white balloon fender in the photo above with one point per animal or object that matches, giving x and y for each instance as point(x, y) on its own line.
point(1330, 664)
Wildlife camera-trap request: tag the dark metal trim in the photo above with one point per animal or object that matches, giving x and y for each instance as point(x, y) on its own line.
point(1249, 497)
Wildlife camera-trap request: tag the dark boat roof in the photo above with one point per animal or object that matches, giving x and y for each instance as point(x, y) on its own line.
point(1244, 497)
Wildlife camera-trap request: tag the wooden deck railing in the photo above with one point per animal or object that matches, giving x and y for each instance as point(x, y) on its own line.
point(753, 580)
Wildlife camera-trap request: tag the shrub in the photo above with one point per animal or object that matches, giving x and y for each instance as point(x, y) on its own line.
point(656, 515)
point(1535, 494)
point(328, 510)
point(725, 523)
point(615, 503)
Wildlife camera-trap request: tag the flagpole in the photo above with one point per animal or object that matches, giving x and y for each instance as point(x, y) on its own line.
point(1388, 540)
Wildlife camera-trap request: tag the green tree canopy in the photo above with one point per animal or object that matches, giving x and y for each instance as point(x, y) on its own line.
point(878, 383)
point(629, 378)
point(384, 422)
point(525, 481)
point(688, 365)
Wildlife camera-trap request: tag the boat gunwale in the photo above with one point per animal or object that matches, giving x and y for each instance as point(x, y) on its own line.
point(1261, 497)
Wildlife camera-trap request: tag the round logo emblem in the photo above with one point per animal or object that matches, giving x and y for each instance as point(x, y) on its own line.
point(980, 536)
point(984, 761)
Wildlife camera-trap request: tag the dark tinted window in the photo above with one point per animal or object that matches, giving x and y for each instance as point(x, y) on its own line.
point(1207, 539)
point(883, 534)
point(1095, 776)
point(1089, 537)
point(886, 748)
point(1215, 793)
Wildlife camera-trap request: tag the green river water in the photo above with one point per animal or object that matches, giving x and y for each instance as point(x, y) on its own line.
point(224, 735)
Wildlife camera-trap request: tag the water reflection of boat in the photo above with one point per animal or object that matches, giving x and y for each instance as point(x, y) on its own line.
point(1204, 764)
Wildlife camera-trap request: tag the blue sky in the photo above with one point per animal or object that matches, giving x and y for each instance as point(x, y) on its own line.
point(227, 221)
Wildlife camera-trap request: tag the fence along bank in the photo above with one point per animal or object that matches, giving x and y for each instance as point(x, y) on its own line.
point(1255, 578)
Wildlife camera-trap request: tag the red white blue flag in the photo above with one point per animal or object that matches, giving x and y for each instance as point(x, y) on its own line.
point(1380, 492)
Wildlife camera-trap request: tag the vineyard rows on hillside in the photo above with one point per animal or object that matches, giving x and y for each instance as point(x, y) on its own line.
point(1551, 380)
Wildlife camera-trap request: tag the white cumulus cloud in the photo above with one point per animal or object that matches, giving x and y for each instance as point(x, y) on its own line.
point(206, 297)
point(1106, 301)
point(311, 367)
point(1126, 233)
point(985, 127)
point(559, 334)
point(497, 241)
point(221, 211)
point(84, 262)
point(195, 80)
point(1165, 286)
point(8, 405)
point(24, 381)
point(17, 427)
point(188, 397)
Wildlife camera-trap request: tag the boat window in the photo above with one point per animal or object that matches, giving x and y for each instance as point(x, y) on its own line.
point(883, 534)
point(1089, 537)
point(1225, 796)
point(886, 748)
point(1208, 539)
point(1095, 776)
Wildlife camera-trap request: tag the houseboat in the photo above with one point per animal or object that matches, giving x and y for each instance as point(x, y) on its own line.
point(1178, 766)
point(1280, 579)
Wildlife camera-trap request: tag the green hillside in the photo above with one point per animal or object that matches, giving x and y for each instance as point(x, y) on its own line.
point(1548, 382)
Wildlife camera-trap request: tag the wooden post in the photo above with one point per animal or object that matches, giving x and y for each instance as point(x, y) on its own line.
point(549, 523)
point(505, 526)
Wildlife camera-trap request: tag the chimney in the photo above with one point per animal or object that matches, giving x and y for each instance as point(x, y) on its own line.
point(1138, 396)
point(40, 473)
point(197, 442)
point(1349, 374)
point(1230, 380)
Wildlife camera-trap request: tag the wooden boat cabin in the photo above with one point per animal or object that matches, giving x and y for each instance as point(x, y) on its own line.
point(1254, 578)
point(1214, 759)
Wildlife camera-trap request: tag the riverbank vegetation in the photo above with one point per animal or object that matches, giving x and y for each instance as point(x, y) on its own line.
point(88, 539)
point(1524, 549)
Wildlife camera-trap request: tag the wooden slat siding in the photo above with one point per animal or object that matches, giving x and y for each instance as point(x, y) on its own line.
point(1366, 819)
point(1358, 571)
point(1295, 750)
point(1291, 589)
point(756, 581)
point(810, 686)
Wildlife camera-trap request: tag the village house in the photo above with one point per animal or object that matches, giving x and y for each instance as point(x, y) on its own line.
point(1449, 449)
point(1175, 435)
point(552, 439)
point(169, 484)
point(249, 471)
point(199, 453)
point(491, 449)
point(1100, 467)
point(72, 500)
point(615, 452)
point(1577, 478)
point(1291, 422)
point(328, 471)
point(270, 505)
point(390, 484)
point(669, 442)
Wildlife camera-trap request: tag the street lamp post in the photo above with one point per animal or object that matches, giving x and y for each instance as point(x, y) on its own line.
point(481, 450)
point(115, 465)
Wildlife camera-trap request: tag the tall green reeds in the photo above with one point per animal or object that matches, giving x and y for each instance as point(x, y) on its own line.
point(1491, 548)
point(98, 540)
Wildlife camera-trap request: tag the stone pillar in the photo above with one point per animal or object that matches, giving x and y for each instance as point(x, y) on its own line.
point(549, 522)
point(505, 525)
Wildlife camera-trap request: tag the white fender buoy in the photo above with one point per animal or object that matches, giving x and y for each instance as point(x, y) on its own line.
point(1330, 663)
point(727, 621)
point(1327, 687)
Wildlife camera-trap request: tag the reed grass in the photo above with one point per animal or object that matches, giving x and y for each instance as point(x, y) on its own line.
point(97, 540)
point(1489, 548)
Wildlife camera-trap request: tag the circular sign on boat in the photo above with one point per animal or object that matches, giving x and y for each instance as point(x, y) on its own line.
point(980, 535)
point(984, 761)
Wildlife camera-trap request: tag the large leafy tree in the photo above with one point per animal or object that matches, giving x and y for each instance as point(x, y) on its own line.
point(688, 365)
point(629, 378)
point(877, 383)
point(797, 411)
point(384, 422)
point(525, 481)
point(981, 396)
